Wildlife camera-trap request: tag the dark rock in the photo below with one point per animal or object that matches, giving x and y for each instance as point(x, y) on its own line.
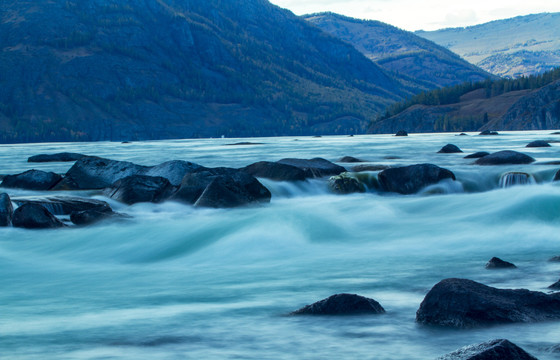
point(6, 210)
point(174, 170)
point(32, 180)
point(231, 188)
point(497, 263)
point(463, 134)
point(350, 159)
point(555, 286)
point(463, 303)
point(64, 156)
point(342, 304)
point(477, 155)
point(556, 176)
point(554, 259)
point(92, 172)
point(499, 349)
point(344, 184)
point(34, 216)
point(410, 179)
point(314, 168)
point(401, 133)
point(243, 143)
point(505, 157)
point(275, 171)
point(555, 133)
point(372, 167)
point(63, 205)
point(140, 188)
point(489, 132)
point(450, 149)
point(92, 216)
point(538, 143)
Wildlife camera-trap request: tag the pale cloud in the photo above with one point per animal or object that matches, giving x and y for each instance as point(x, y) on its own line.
point(427, 14)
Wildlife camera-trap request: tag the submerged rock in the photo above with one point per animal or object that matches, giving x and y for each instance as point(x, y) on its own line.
point(275, 171)
point(92, 216)
point(63, 205)
point(410, 179)
point(34, 216)
point(489, 132)
point(32, 180)
point(344, 184)
point(370, 167)
point(477, 155)
point(140, 188)
point(557, 176)
point(342, 304)
point(538, 143)
point(62, 157)
point(221, 187)
point(450, 149)
point(6, 210)
point(554, 259)
point(463, 303)
point(350, 159)
point(499, 349)
point(515, 178)
point(555, 286)
point(314, 168)
point(401, 133)
point(497, 263)
point(505, 157)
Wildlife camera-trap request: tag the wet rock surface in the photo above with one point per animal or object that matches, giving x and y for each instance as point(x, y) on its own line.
point(505, 157)
point(34, 216)
point(410, 179)
point(342, 304)
point(32, 180)
point(499, 349)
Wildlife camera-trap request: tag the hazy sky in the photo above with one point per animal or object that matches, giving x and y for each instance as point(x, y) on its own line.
point(426, 14)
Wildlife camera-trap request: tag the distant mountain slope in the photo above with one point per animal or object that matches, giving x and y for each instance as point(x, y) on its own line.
point(152, 69)
point(523, 45)
point(523, 104)
point(400, 51)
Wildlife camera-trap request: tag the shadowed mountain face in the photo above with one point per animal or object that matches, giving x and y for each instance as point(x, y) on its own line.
point(153, 69)
point(524, 45)
point(400, 51)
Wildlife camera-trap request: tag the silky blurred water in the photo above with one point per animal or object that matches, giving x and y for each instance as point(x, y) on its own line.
point(177, 282)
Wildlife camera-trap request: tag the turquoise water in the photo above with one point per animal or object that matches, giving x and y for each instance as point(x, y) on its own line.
point(177, 282)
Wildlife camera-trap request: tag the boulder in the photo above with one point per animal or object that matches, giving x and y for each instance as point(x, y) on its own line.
point(450, 149)
point(554, 259)
point(314, 168)
point(344, 184)
point(488, 132)
point(34, 216)
point(32, 180)
point(499, 349)
point(92, 216)
point(477, 155)
point(350, 159)
point(63, 156)
point(63, 205)
point(231, 188)
point(6, 210)
point(371, 167)
point(557, 176)
point(505, 157)
point(410, 179)
point(92, 172)
point(555, 286)
point(401, 133)
point(537, 143)
point(140, 188)
point(463, 303)
point(497, 263)
point(462, 134)
point(275, 171)
point(342, 304)
point(174, 170)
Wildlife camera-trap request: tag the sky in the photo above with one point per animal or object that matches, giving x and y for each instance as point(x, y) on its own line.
point(426, 14)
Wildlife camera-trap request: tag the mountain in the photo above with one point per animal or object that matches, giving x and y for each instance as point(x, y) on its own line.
point(400, 51)
point(524, 45)
point(83, 70)
point(527, 103)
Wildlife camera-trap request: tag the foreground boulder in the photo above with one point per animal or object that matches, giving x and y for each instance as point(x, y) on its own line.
point(63, 205)
point(62, 157)
point(450, 149)
point(140, 188)
point(92, 216)
point(275, 171)
point(499, 349)
point(477, 155)
point(463, 303)
point(34, 216)
point(32, 180)
point(221, 187)
point(537, 143)
point(6, 210)
point(505, 157)
point(497, 263)
point(314, 168)
point(342, 304)
point(344, 184)
point(410, 179)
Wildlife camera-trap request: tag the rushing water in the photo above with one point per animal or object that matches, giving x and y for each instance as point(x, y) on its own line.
point(176, 282)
